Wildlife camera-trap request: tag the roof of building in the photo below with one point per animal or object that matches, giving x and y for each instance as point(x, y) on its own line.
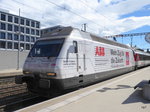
point(17, 16)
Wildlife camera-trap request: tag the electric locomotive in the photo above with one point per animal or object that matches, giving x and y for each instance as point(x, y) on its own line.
point(66, 58)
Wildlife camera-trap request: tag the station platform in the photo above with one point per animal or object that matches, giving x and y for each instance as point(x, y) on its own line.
point(114, 95)
point(10, 72)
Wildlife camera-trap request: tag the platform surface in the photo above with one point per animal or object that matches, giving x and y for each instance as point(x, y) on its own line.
point(10, 72)
point(114, 95)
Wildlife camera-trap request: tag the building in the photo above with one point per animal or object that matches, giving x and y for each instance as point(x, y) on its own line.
point(16, 32)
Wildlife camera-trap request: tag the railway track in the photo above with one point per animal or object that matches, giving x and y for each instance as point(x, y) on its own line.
point(7, 80)
point(14, 96)
point(12, 90)
point(16, 102)
point(9, 88)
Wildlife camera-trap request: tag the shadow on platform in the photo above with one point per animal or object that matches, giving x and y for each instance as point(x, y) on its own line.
point(135, 97)
point(117, 88)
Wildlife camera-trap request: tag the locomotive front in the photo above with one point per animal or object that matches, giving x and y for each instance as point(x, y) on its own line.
point(40, 68)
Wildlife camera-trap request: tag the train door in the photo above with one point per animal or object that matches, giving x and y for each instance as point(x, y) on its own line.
point(80, 57)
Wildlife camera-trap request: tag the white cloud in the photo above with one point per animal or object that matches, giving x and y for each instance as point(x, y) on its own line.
point(102, 17)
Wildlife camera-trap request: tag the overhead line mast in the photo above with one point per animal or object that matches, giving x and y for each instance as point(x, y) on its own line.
point(127, 35)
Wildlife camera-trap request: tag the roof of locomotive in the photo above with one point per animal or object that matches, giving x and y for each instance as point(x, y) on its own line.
point(57, 31)
point(66, 31)
point(141, 52)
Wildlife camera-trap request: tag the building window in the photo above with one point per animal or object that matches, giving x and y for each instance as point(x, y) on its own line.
point(27, 22)
point(32, 39)
point(22, 29)
point(37, 32)
point(16, 28)
point(16, 20)
point(32, 45)
point(9, 27)
point(42, 32)
point(22, 45)
point(2, 44)
point(27, 39)
point(9, 45)
point(36, 38)
point(27, 47)
point(10, 18)
point(2, 35)
point(21, 37)
point(22, 21)
point(3, 17)
point(27, 30)
point(33, 24)
point(9, 36)
point(32, 31)
point(16, 37)
point(3, 26)
point(37, 25)
point(15, 45)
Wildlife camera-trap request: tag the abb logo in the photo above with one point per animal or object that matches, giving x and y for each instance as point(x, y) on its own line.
point(99, 51)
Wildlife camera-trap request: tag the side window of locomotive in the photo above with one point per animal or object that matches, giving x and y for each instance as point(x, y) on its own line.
point(73, 48)
point(75, 44)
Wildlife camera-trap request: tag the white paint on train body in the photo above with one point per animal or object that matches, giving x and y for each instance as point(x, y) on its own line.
point(78, 56)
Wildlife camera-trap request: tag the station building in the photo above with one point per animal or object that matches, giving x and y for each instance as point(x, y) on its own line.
point(16, 33)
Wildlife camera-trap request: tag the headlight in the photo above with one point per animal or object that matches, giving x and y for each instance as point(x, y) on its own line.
point(26, 72)
point(51, 74)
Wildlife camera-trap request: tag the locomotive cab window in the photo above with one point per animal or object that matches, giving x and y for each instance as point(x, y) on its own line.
point(75, 44)
point(47, 48)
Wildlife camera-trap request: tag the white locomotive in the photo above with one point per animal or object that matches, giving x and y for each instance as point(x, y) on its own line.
point(67, 58)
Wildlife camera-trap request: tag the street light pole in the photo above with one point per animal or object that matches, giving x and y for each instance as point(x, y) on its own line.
point(18, 56)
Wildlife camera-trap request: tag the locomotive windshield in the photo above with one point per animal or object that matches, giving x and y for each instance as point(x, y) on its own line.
point(46, 48)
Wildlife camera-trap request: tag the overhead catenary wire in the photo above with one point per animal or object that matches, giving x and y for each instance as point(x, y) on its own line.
point(56, 17)
point(54, 20)
point(62, 8)
point(59, 7)
point(97, 12)
point(26, 5)
point(108, 19)
point(74, 13)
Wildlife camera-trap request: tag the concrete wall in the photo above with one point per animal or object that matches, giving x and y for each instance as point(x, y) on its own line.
point(8, 59)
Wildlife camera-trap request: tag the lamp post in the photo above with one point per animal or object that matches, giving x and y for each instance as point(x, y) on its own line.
point(18, 55)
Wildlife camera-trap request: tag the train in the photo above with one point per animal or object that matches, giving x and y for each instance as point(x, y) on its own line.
point(141, 58)
point(66, 58)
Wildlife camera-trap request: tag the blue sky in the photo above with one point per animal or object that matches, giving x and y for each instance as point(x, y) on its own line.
point(145, 11)
point(139, 41)
point(103, 17)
